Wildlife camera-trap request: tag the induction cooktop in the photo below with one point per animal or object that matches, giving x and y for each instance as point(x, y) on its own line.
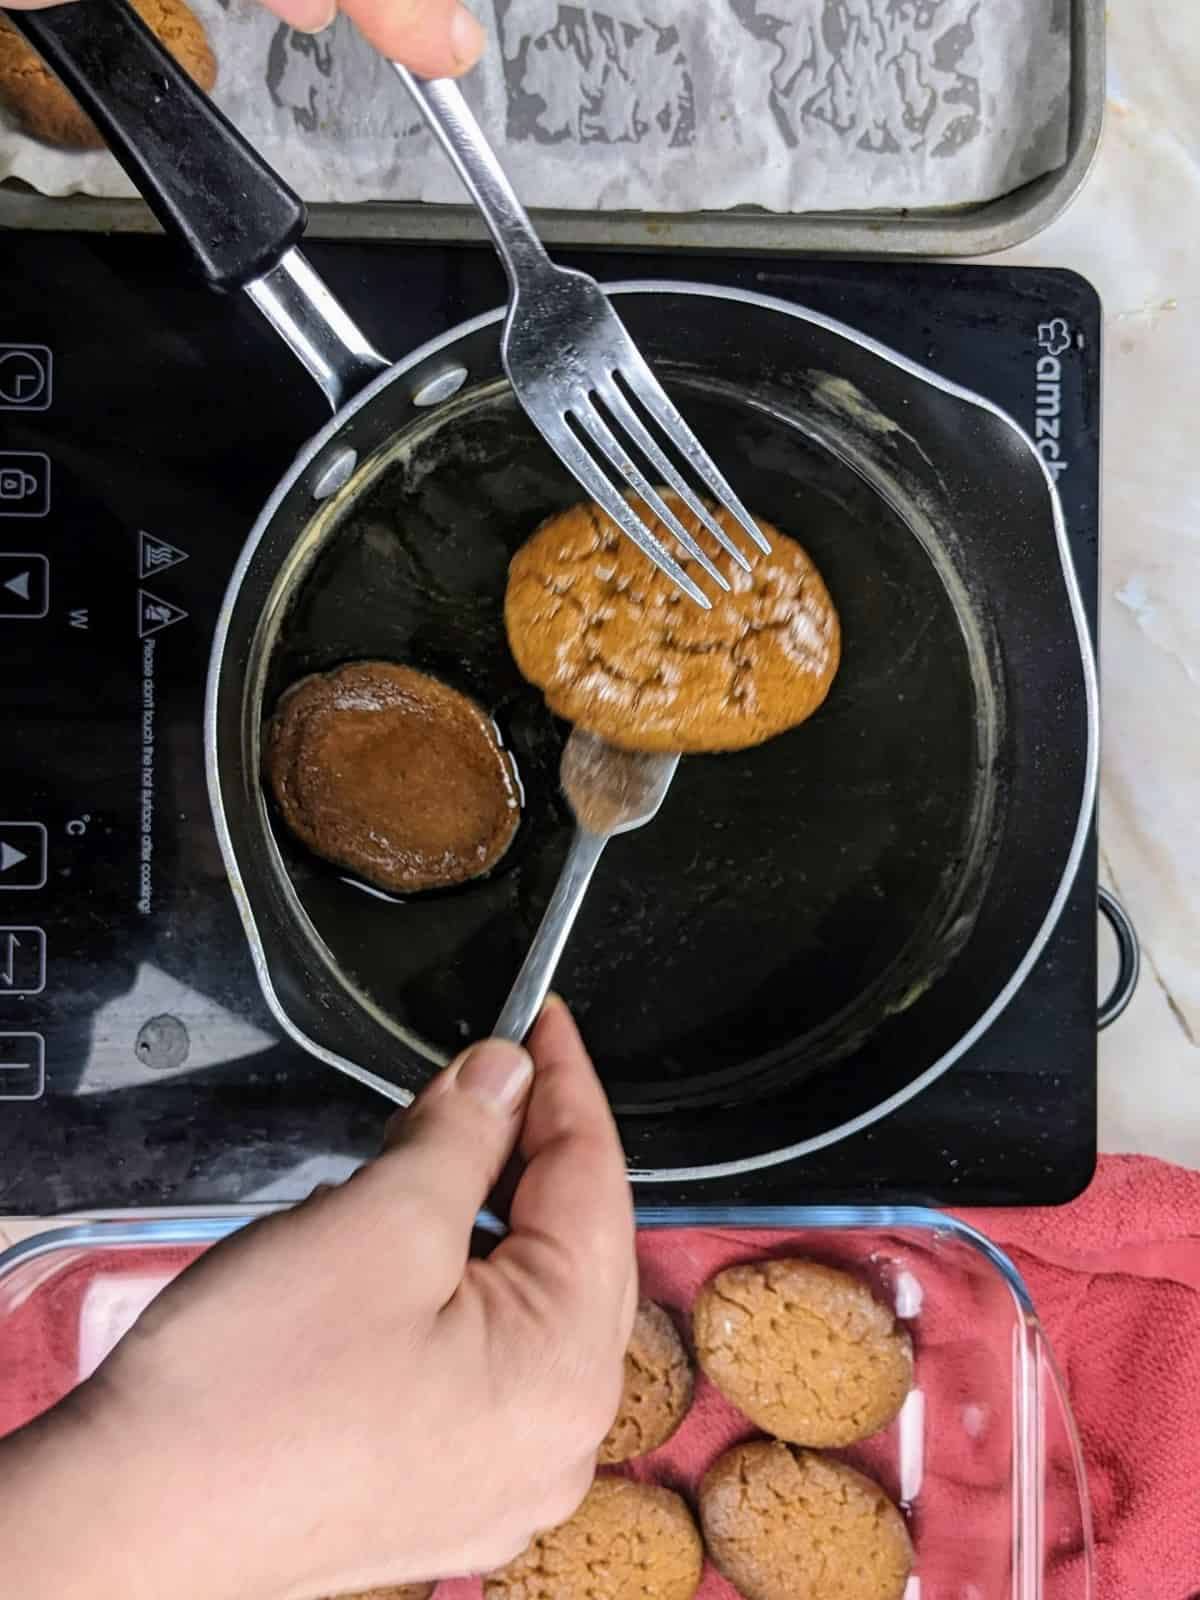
point(143, 421)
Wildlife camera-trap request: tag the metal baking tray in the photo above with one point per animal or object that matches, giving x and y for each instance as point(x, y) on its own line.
point(965, 231)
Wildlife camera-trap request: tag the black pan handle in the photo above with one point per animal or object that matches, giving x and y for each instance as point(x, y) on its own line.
point(200, 178)
point(1129, 958)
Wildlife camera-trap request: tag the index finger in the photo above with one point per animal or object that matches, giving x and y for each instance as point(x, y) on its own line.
point(572, 1211)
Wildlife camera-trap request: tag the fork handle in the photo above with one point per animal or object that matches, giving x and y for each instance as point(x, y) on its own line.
point(529, 992)
point(453, 124)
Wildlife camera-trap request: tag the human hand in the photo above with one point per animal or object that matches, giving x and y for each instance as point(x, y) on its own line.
point(436, 38)
point(339, 1397)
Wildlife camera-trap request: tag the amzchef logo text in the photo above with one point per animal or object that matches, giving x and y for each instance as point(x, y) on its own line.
point(1053, 339)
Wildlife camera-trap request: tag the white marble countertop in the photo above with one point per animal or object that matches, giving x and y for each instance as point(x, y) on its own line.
point(1134, 232)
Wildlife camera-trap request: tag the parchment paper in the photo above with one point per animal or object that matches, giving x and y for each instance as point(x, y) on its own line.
point(672, 105)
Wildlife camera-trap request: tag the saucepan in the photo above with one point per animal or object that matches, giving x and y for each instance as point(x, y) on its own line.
point(810, 931)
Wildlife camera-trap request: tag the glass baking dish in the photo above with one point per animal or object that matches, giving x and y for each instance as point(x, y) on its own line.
point(984, 1458)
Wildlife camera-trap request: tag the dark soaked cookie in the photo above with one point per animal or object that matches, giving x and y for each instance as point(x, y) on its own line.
point(392, 775)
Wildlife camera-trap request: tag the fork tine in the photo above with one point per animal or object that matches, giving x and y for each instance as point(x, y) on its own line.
point(628, 418)
point(636, 372)
point(594, 425)
point(579, 460)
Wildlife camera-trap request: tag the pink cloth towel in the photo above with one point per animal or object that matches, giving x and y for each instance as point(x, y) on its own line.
point(1115, 1277)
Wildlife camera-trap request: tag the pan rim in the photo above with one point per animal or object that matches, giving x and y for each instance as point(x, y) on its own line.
point(430, 349)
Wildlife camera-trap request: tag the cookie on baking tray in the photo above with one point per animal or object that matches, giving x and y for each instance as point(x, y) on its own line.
point(657, 1390)
point(398, 1591)
point(805, 1351)
point(782, 1523)
point(627, 1541)
point(47, 111)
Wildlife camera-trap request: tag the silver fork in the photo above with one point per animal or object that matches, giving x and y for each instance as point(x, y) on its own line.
point(582, 381)
point(610, 791)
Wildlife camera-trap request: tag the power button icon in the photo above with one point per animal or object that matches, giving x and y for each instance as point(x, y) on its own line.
point(25, 377)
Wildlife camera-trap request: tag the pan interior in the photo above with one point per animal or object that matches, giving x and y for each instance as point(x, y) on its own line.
point(787, 899)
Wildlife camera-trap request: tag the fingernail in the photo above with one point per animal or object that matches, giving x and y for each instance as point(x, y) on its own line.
point(320, 17)
point(496, 1072)
point(467, 39)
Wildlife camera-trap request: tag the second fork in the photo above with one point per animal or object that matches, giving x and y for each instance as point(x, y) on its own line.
point(578, 374)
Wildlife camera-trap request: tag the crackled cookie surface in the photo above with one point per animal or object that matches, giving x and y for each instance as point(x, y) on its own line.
point(616, 649)
point(788, 1524)
point(804, 1350)
point(627, 1541)
point(657, 1390)
point(399, 1591)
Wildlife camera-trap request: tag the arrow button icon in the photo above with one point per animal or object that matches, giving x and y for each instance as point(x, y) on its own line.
point(10, 856)
point(22, 855)
point(24, 585)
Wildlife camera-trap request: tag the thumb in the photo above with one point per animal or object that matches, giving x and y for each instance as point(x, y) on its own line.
point(573, 1202)
point(447, 1150)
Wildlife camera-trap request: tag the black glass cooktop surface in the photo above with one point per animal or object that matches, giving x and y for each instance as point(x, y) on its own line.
point(143, 422)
